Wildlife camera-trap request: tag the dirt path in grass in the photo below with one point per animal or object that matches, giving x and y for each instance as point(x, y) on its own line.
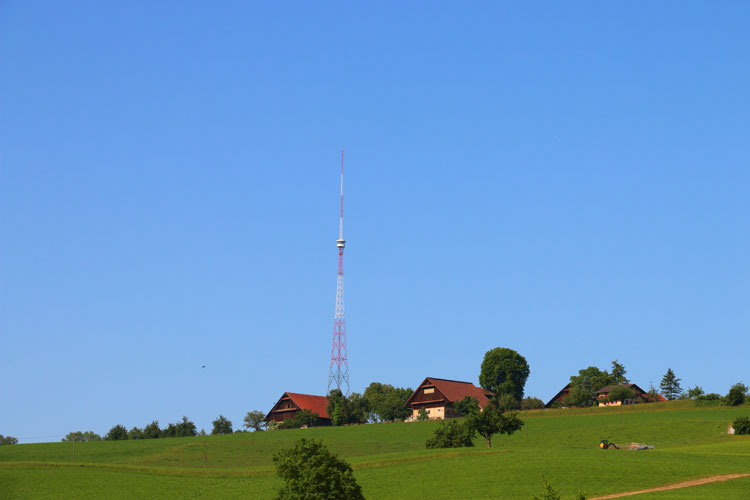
point(676, 486)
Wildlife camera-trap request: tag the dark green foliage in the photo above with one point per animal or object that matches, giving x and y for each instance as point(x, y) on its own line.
point(8, 440)
point(152, 431)
point(580, 396)
point(304, 418)
point(186, 428)
point(532, 404)
point(741, 425)
point(451, 434)
point(311, 472)
point(135, 433)
point(422, 415)
point(385, 402)
point(255, 420)
point(592, 379)
point(117, 433)
point(710, 399)
point(670, 385)
point(621, 393)
point(493, 421)
point(504, 371)
point(82, 436)
point(466, 406)
point(617, 377)
point(506, 402)
point(221, 425)
point(346, 410)
point(548, 494)
point(695, 392)
point(737, 394)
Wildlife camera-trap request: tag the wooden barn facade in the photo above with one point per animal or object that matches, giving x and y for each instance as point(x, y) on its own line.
point(292, 403)
point(437, 395)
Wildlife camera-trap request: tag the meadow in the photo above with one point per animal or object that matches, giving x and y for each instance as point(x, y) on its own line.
point(390, 460)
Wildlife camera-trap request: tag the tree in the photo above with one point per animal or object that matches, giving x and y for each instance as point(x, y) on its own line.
point(422, 415)
point(591, 378)
point(152, 431)
point(135, 433)
point(222, 426)
point(670, 385)
point(695, 392)
point(507, 402)
point(621, 393)
point(504, 371)
point(82, 436)
point(741, 425)
point(311, 472)
point(532, 404)
point(386, 403)
point(117, 433)
point(737, 394)
point(580, 396)
point(492, 421)
point(466, 406)
point(8, 440)
point(186, 428)
point(617, 377)
point(451, 434)
point(255, 420)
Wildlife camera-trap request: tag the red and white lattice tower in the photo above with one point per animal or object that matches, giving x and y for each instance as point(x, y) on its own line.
point(338, 373)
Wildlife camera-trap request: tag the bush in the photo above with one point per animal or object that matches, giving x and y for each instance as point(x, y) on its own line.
point(422, 415)
point(466, 406)
point(532, 404)
point(451, 434)
point(737, 394)
point(304, 418)
point(694, 392)
point(710, 399)
point(310, 471)
point(741, 425)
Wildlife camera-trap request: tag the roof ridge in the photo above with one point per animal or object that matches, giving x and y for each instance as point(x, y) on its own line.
point(449, 380)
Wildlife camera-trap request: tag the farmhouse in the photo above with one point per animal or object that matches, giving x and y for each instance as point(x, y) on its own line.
point(292, 403)
point(437, 395)
point(559, 397)
point(602, 396)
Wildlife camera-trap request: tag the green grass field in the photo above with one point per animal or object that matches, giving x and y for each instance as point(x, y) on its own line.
point(391, 462)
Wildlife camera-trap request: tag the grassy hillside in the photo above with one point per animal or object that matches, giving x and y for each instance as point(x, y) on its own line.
point(391, 462)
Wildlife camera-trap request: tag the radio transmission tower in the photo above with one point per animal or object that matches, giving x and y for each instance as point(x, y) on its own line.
point(338, 372)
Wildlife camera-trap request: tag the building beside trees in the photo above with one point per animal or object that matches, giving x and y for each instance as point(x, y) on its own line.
point(438, 396)
point(291, 403)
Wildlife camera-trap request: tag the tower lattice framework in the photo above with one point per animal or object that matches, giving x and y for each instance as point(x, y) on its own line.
point(338, 372)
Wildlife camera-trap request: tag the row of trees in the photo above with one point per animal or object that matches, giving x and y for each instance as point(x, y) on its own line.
point(184, 428)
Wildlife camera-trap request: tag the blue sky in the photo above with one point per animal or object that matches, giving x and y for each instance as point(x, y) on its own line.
point(569, 181)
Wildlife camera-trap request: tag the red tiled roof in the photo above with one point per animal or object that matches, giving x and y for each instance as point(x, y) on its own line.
point(454, 390)
point(316, 404)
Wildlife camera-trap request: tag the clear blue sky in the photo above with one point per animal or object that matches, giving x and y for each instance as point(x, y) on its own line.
point(569, 180)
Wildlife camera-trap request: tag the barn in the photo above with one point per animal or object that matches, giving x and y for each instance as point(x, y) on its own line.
point(292, 403)
point(437, 396)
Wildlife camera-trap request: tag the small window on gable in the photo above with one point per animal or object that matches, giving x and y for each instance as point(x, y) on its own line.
point(429, 390)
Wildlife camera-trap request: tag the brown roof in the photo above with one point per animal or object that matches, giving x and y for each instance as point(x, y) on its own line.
point(316, 404)
point(455, 390)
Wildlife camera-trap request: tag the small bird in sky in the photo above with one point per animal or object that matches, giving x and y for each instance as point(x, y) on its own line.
point(203, 366)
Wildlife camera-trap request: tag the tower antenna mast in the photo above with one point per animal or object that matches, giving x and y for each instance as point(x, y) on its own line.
point(338, 372)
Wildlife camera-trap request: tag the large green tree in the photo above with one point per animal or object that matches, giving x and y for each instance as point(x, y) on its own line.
point(591, 379)
point(617, 377)
point(255, 420)
point(8, 440)
point(82, 436)
point(222, 425)
point(504, 371)
point(670, 385)
point(386, 403)
point(117, 433)
point(311, 472)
